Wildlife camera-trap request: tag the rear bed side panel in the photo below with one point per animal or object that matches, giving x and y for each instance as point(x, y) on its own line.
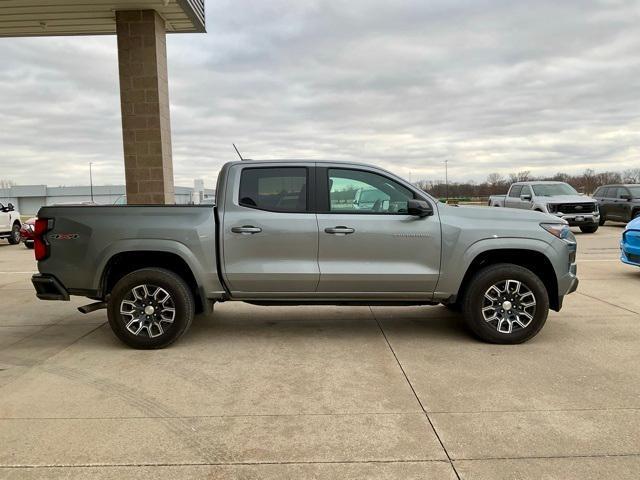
point(84, 238)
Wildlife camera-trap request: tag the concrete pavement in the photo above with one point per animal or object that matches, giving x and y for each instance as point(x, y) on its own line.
point(324, 392)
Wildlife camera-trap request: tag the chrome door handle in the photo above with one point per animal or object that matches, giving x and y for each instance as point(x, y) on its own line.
point(339, 230)
point(246, 229)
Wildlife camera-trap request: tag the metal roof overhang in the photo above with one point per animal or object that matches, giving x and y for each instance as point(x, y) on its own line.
point(28, 18)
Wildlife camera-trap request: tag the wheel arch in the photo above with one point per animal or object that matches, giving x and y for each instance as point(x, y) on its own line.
point(124, 262)
point(529, 258)
point(532, 260)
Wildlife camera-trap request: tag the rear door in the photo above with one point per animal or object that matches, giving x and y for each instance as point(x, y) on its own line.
point(270, 232)
point(368, 243)
point(616, 209)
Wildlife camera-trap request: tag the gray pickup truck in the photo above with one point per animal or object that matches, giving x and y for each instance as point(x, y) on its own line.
point(557, 198)
point(301, 233)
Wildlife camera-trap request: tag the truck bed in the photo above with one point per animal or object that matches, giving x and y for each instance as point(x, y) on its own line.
point(85, 238)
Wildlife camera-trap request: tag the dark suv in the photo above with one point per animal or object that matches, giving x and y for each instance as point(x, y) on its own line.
point(618, 202)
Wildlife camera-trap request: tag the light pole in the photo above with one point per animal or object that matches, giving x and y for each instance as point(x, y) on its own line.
point(446, 179)
point(91, 180)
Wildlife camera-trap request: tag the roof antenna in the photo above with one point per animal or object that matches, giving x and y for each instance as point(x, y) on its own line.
point(238, 152)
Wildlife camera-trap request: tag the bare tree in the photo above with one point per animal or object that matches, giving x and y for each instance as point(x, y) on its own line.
point(632, 175)
point(523, 176)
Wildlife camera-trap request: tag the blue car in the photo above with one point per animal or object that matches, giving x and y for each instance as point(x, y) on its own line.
point(630, 244)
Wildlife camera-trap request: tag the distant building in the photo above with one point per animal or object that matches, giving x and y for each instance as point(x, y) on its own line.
point(29, 198)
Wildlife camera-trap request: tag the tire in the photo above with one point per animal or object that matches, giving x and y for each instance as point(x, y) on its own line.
point(29, 244)
point(589, 228)
point(505, 329)
point(14, 238)
point(155, 289)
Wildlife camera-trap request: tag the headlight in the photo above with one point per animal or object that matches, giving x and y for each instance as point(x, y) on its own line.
point(560, 230)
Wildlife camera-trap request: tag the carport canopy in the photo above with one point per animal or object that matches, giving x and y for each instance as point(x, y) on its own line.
point(141, 26)
point(20, 18)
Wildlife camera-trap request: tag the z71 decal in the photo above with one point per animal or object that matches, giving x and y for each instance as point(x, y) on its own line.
point(64, 236)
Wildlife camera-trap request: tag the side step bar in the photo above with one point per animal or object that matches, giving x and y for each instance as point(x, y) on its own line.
point(92, 307)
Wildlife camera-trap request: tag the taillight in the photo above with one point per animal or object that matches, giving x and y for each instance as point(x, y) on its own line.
point(40, 244)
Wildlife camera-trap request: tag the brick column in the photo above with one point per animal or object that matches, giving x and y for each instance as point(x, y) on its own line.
point(144, 99)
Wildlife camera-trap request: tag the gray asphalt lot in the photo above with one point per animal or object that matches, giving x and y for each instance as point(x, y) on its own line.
point(325, 392)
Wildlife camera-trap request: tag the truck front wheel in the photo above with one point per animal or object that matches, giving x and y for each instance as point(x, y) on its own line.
point(505, 304)
point(589, 228)
point(14, 238)
point(150, 308)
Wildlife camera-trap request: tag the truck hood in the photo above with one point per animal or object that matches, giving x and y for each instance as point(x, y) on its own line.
point(566, 199)
point(497, 214)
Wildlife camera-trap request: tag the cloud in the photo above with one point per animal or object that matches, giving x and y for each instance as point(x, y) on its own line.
point(488, 85)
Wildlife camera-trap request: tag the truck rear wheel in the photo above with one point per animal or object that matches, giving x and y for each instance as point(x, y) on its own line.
point(505, 304)
point(150, 308)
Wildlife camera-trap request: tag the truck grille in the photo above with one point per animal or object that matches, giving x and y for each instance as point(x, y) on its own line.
point(573, 207)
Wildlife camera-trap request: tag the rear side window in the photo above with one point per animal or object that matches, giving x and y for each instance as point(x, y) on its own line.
point(281, 189)
point(515, 191)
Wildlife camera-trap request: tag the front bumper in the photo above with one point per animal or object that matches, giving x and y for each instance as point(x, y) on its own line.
point(630, 247)
point(49, 287)
point(575, 220)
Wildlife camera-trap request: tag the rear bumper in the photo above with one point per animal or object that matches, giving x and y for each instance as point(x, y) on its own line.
point(49, 288)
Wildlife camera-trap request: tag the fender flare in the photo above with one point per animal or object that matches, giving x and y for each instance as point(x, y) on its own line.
point(147, 245)
point(451, 284)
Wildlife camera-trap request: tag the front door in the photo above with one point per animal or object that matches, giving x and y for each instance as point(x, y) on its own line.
point(4, 219)
point(270, 233)
point(368, 242)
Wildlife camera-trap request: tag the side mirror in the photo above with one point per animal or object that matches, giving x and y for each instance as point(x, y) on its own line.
point(525, 198)
point(10, 207)
point(419, 208)
point(624, 196)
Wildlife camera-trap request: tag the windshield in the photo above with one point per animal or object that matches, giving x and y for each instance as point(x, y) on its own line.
point(553, 189)
point(635, 191)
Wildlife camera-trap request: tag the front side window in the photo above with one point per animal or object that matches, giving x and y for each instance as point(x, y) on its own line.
point(356, 191)
point(278, 189)
point(634, 191)
point(526, 190)
point(515, 191)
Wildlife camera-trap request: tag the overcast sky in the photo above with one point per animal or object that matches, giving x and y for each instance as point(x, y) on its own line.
point(495, 85)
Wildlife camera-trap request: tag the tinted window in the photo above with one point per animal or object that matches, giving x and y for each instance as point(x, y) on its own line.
point(607, 192)
point(599, 192)
point(515, 191)
point(281, 189)
point(635, 191)
point(354, 191)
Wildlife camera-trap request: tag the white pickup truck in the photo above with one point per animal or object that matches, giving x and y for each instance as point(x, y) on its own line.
point(10, 223)
point(557, 198)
